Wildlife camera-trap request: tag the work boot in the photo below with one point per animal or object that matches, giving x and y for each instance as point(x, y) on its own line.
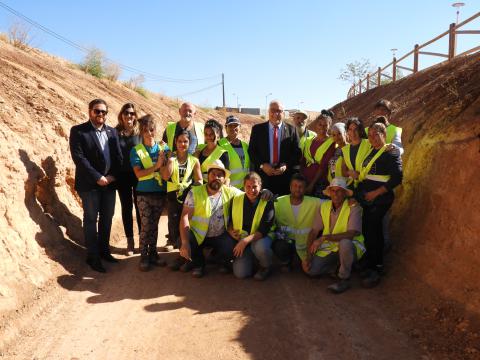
point(155, 259)
point(176, 264)
point(340, 287)
point(130, 246)
point(144, 263)
point(262, 274)
point(186, 267)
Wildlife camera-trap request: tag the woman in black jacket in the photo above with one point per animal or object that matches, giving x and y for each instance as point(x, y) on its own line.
point(380, 174)
point(128, 134)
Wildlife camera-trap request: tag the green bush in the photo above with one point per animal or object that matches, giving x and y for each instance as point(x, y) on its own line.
point(93, 63)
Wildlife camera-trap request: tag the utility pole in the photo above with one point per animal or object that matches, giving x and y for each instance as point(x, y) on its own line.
point(223, 89)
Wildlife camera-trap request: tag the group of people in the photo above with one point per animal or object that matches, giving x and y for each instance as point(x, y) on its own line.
point(316, 195)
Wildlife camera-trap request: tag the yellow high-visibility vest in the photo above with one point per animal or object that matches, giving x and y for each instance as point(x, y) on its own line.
point(296, 228)
point(174, 184)
point(322, 149)
point(364, 173)
point(237, 214)
point(309, 134)
point(147, 163)
point(341, 226)
point(203, 210)
point(170, 130)
point(363, 151)
point(238, 171)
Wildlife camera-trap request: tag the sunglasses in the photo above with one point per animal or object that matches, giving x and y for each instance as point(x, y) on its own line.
point(100, 112)
point(129, 113)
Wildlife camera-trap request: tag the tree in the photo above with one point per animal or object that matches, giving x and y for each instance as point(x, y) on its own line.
point(19, 35)
point(93, 62)
point(112, 71)
point(355, 71)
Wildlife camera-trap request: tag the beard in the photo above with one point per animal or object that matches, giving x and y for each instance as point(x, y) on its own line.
point(215, 185)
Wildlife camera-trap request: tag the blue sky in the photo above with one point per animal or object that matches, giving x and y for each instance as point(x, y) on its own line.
point(292, 49)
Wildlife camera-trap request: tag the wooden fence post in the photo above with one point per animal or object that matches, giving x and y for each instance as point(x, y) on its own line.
point(379, 76)
point(368, 82)
point(394, 69)
point(415, 58)
point(360, 86)
point(452, 39)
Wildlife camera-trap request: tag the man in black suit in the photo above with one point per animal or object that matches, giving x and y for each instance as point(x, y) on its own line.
point(96, 153)
point(274, 150)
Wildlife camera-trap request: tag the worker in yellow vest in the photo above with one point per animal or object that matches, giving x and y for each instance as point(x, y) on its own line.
point(181, 172)
point(195, 129)
point(251, 219)
point(383, 109)
point(355, 151)
point(294, 216)
point(205, 218)
point(237, 152)
point(300, 119)
point(211, 151)
point(147, 160)
point(336, 236)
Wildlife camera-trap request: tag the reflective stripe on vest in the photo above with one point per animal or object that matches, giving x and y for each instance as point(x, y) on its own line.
point(296, 228)
point(237, 169)
point(203, 210)
point(366, 169)
point(363, 151)
point(341, 226)
point(392, 130)
point(237, 214)
point(322, 149)
point(147, 163)
point(170, 131)
point(215, 155)
point(174, 184)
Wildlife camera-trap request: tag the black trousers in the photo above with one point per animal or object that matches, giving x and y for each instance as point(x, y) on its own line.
point(174, 209)
point(373, 232)
point(126, 184)
point(222, 245)
point(284, 250)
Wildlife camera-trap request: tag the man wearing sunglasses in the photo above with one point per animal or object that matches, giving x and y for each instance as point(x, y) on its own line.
point(97, 156)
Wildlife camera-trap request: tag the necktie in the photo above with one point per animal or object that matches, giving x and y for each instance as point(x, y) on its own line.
point(275, 145)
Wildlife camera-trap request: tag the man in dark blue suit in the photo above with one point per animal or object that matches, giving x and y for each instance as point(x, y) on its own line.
point(96, 153)
point(274, 150)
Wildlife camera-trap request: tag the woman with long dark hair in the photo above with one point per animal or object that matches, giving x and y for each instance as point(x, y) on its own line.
point(129, 136)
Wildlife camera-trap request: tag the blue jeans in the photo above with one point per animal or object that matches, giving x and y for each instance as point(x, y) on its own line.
point(261, 250)
point(98, 204)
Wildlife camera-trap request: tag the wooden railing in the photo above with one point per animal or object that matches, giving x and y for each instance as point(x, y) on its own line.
point(373, 80)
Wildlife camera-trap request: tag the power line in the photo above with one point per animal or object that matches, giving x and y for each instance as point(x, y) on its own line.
point(197, 91)
point(147, 75)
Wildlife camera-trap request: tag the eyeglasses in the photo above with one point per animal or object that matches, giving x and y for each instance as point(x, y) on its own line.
point(100, 112)
point(129, 113)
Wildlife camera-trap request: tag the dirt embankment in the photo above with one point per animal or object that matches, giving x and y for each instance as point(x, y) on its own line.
point(41, 97)
point(435, 221)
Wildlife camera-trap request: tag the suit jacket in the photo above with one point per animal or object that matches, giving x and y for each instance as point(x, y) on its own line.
point(88, 156)
point(259, 147)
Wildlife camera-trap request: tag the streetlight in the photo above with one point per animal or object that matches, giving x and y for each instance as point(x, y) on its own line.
point(458, 5)
point(266, 102)
point(394, 51)
point(237, 98)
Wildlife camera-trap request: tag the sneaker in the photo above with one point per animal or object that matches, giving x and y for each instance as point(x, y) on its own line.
point(186, 267)
point(262, 274)
point(372, 280)
point(176, 264)
point(144, 264)
point(198, 272)
point(340, 287)
point(156, 260)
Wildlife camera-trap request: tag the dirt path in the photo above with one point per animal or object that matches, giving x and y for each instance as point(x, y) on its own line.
point(125, 314)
